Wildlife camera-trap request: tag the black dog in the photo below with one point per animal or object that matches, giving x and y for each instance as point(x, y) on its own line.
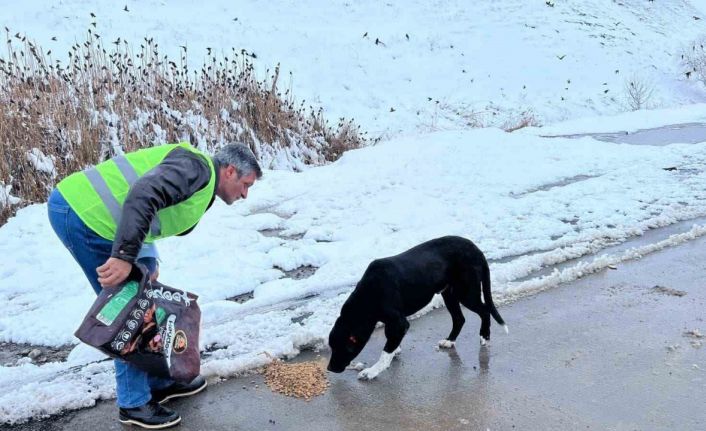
point(395, 287)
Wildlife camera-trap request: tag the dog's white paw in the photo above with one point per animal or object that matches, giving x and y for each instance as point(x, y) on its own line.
point(381, 365)
point(357, 366)
point(447, 344)
point(397, 352)
point(484, 341)
point(368, 374)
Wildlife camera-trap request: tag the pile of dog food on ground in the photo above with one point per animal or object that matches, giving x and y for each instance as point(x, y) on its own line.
point(301, 380)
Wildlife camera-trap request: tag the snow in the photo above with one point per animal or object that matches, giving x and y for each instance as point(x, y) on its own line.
point(526, 200)
point(471, 57)
point(41, 162)
point(6, 197)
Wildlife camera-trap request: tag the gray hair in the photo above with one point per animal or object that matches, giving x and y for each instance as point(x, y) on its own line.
point(239, 156)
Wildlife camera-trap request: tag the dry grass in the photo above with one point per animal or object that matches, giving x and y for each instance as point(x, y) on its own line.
point(470, 115)
point(523, 119)
point(110, 100)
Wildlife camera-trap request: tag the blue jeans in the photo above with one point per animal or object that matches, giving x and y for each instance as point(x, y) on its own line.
point(91, 251)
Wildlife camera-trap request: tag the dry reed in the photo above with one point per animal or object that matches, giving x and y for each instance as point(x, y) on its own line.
point(105, 101)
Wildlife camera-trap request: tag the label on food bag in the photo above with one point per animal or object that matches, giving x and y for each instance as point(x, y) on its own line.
point(117, 303)
point(161, 314)
point(168, 337)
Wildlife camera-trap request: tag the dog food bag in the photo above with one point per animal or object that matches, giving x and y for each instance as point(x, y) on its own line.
point(152, 326)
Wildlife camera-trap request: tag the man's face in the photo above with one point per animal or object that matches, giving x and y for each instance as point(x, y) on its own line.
point(232, 188)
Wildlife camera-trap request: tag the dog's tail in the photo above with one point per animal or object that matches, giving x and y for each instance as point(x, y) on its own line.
point(488, 297)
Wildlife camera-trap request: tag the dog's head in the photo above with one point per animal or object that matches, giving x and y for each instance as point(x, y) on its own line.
point(346, 341)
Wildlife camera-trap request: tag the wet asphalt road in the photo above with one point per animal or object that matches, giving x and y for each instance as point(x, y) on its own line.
point(607, 352)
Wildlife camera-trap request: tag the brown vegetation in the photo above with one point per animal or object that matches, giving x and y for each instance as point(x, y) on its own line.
point(108, 101)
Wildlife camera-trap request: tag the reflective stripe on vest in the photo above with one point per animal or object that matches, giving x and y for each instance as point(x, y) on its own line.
point(98, 193)
point(100, 186)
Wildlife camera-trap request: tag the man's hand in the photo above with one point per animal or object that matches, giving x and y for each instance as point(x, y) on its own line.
point(155, 274)
point(113, 272)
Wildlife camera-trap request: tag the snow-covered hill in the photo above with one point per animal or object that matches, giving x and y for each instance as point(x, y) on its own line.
point(437, 64)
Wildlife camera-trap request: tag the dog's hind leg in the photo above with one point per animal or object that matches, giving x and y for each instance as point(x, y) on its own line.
point(471, 299)
point(479, 308)
point(466, 286)
point(457, 318)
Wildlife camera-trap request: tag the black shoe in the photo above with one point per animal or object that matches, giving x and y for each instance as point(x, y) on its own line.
point(177, 390)
point(151, 415)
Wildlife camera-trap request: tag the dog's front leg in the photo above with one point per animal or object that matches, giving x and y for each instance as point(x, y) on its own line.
point(394, 332)
point(381, 365)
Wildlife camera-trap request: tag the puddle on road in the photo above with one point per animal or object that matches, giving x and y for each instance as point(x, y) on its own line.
point(689, 133)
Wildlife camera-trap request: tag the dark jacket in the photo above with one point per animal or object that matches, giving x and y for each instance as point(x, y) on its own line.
point(180, 175)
